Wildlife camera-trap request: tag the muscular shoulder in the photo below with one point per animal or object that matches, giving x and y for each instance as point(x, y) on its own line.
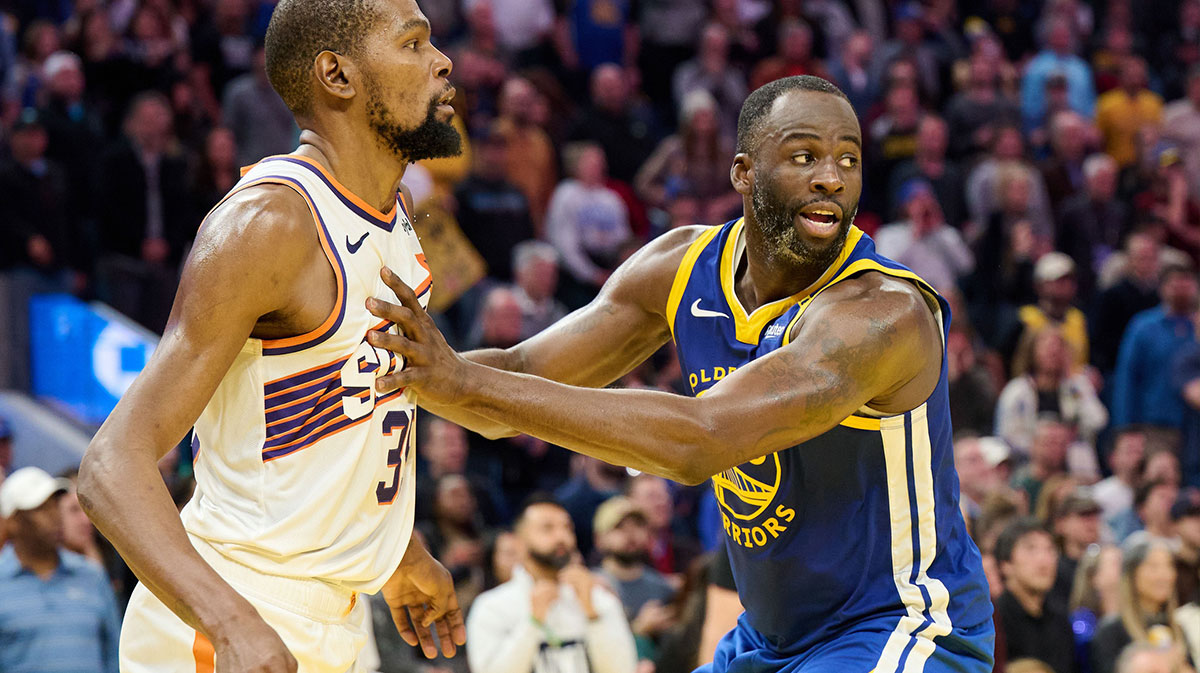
point(646, 277)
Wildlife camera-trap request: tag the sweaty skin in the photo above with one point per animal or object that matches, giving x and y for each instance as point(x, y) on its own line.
point(871, 340)
point(257, 270)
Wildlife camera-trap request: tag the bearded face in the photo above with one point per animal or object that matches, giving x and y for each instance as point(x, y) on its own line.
point(432, 138)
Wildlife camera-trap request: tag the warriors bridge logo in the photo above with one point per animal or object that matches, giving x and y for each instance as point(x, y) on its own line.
point(745, 494)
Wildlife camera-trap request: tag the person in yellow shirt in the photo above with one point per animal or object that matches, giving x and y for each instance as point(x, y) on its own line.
point(1120, 112)
point(1054, 282)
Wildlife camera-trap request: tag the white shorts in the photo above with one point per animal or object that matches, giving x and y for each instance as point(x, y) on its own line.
point(320, 623)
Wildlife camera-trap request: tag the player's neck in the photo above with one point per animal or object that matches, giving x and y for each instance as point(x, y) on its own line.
point(357, 162)
point(762, 277)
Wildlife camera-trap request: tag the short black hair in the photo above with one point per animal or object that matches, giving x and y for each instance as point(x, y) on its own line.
point(301, 29)
point(1014, 533)
point(535, 499)
point(758, 105)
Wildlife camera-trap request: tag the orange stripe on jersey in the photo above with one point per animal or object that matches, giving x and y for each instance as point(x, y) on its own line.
point(202, 652)
point(347, 427)
point(350, 196)
point(302, 384)
point(306, 371)
point(337, 417)
point(308, 408)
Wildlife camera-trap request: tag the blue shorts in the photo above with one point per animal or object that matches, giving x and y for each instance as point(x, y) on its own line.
point(745, 650)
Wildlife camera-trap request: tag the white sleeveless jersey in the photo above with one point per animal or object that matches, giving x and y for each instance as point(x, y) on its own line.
point(302, 469)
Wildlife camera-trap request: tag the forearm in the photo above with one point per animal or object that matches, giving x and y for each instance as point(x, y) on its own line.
point(128, 502)
point(492, 357)
point(647, 430)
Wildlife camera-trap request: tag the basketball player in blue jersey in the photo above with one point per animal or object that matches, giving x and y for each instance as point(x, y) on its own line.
point(819, 407)
point(304, 475)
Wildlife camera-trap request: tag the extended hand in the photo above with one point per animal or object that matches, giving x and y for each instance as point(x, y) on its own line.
point(431, 367)
point(253, 646)
point(420, 594)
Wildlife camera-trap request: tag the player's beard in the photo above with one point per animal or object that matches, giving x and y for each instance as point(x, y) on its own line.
point(777, 223)
point(431, 139)
point(555, 559)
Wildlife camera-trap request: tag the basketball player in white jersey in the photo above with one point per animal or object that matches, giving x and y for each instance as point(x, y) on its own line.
point(304, 474)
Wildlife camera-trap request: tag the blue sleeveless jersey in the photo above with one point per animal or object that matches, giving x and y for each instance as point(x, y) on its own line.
point(856, 530)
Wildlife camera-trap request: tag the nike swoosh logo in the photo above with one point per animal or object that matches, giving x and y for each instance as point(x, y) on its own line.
point(705, 313)
point(353, 247)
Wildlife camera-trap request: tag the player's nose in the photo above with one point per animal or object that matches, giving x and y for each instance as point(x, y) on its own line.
point(827, 180)
point(442, 65)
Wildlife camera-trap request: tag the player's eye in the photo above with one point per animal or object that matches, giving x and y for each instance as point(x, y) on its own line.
point(849, 161)
point(803, 158)
point(413, 44)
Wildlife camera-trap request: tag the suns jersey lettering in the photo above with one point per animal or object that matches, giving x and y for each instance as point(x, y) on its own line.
point(303, 469)
point(857, 528)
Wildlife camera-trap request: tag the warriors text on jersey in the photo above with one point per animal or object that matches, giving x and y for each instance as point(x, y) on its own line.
point(856, 530)
point(302, 469)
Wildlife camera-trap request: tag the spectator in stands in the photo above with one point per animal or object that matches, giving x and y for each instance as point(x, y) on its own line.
point(622, 130)
point(1151, 511)
point(530, 163)
point(1092, 223)
point(1125, 109)
point(923, 241)
point(930, 162)
point(479, 62)
point(1033, 626)
point(694, 162)
point(974, 113)
point(1185, 380)
point(492, 211)
point(1063, 171)
point(444, 451)
point(977, 473)
point(990, 188)
point(1147, 658)
point(535, 265)
point(670, 552)
point(1181, 123)
point(523, 27)
point(1136, 291)
point(1047, 457)
point(793, 56)
point(498, 324)
point(909, 43)
point(58, 611)
point(1076, 526)
point(667, 35)
point(1093, 597)
point(1057, 57)
point(849, 69)
point(623, 537)
point(1054, 283)
point(1146, 606)
point(1167, 198)
point(78, 533)
point(215, 173)
point(262, 125)
point(893, 140)
point(972, 386)
point(454, 532)
point(502, 555)
point(712, 71)
point(1142, 391)
point(587, 223)
point(145, 215)
point(73, 127)
point(1185, 514)
point(592, 482)
point(1115, 493)
point(552, 616)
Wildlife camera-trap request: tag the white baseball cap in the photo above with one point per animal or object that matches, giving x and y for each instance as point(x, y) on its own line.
point(28, 488)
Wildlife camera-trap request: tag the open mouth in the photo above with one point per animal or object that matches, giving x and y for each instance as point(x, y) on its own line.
point(821, 218)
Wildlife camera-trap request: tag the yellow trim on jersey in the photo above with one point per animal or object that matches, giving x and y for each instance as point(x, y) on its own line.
point(861, 423)
point(684, 273)
point(858, 267)
point(748, 328)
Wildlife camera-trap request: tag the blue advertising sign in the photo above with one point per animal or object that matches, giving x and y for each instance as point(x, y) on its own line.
point(84, 356)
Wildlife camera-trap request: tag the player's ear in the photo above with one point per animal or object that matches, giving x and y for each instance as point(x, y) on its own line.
point(742, 173)
point(335, 74)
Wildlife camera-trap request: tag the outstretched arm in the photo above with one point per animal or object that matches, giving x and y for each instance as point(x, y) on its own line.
point(871, 339)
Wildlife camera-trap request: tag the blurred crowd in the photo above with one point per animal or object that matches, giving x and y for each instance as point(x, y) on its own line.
point(1037, 162)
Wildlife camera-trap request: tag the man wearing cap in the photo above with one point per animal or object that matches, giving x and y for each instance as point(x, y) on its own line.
point(1054, 284)
point(57, 610)
point(923, 241)
point(623, 536)
point(552, 616)
point(1076, 526)
point(1141, 387)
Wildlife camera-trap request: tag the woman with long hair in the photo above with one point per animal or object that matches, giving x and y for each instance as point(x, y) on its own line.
point(1093, 597)
point(1146, 604)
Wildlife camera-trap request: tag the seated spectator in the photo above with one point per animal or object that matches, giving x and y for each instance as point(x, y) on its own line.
point(1057, 58)
point(1150, 512)
point(262, 125)
point(1045, 387)
point(623, 537)
point(592, 482)
point(73, 126)
point(930, 162)
point(1181, 124)
point(1076, 526)
point(530, 163)
point(535, 266)
point(974, 113)
point(694, 161)
point(624, 130)
point(552, 616)
point(850, 71)
point(215, 173)
point(1092, 222)
point(587, 223)
point(977, 474)
point(988, 185)
point(1137, 290)
point(444, 451)
point(454, 533)
point(498, 324)
point(670, 551)
point(892, 138)
point(712, 71)
point(909, 43)
point(923, 241)
point(501, 555)
point(1055, 286)
point(1167, 198)
point(1146, 605)
point(1148, 658)
point(58, 611)
point(1142, 391)
point(492, 211)
point(1123, 110)
point(793, 56)
point(972, 386)
point(1115, 493)
point(1047, 458)
point(1033, 627)
point(1062, 171)
point(1093, 597)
